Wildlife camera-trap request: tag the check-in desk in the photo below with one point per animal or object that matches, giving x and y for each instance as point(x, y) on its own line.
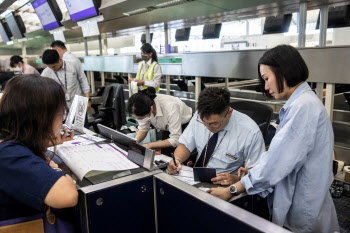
point(139, 200)
point(153, 201)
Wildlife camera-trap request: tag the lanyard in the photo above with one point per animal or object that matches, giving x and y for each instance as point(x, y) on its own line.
point(65, 76)
point(206, 147)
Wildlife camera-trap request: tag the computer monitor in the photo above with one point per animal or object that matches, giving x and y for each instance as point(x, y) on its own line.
point(48, 12)
point(115, 135)
point(141, 155)
point(5, 32)
point(16, 25)
point(82, 9)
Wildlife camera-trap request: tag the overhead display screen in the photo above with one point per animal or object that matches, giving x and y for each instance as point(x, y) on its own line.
point(80, 9)
point(4, 35)
point(14, 27)
point(45, 14)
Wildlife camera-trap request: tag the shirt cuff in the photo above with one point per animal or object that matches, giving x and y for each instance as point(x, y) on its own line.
point(245, 181)
point(173, 142)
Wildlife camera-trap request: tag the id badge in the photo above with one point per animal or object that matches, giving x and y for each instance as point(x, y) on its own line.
point(67, 97)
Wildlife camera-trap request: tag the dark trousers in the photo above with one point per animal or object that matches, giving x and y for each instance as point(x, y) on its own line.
point(165, 135)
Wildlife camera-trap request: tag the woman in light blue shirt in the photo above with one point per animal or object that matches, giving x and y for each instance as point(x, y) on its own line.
point(296, 172)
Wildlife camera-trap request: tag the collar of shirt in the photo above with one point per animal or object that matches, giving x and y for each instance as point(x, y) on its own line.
point(148, 63)
point(159, 110)
point(228, 127)
point(304, 87)
point(65, 54)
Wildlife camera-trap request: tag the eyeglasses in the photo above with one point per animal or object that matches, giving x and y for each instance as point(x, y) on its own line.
point(214, 125)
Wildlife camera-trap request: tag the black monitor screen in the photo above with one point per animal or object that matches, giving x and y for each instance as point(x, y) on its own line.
point(4, 32)
point(14, 27)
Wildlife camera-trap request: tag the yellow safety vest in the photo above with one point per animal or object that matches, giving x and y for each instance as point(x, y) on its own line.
point(149, 74)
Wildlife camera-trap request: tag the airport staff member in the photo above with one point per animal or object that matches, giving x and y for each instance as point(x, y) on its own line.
point(67, 73)
point(225, 138)
point(164, 112)
point(65, 55)
point(29, 180)
point(296, 172)
point(18, 63)
point(149, 72)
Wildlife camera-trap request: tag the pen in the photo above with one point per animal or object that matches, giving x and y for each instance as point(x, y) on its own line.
point(172, 155)
point(246, 166)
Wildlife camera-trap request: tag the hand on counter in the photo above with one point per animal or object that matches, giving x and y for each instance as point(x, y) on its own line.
point(225, 179)
point(172, 169)
point(220, 192)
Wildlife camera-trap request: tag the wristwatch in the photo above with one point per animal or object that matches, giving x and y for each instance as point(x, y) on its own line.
point(233, 190)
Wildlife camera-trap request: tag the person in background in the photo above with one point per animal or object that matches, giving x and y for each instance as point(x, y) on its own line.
point(18, 63)
point(32, 109)
point(298, 195)
point(60, 47)
point(149, 71)
point(164, 112)
point(225, 139)
point(68, 74)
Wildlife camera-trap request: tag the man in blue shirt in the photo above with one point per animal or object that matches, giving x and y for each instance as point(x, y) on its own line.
point(225, 139)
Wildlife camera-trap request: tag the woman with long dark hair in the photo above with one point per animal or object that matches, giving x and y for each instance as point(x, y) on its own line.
point(164, 112)
point(296, 172)
point(32, 109)
point(149, 72)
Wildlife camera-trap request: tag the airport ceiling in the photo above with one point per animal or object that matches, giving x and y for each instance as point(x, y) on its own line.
point(177, 13)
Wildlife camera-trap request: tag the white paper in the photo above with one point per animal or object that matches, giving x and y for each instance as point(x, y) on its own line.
point(79, 140)
point(80, 113)
point(104, 157)
point(133, 87)
point(186, 175)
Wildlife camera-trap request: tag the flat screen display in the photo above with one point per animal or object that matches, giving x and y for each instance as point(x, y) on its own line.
point(80, 9)
point(14, 27)
point(3, 33)
point(45, 14)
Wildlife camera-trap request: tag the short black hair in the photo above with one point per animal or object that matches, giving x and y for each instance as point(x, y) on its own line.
point(140, 103)
point(50, 56)
point(147, 48)
point(14, 60)
point(213, 100)
point(287, 64)
point(59, 44)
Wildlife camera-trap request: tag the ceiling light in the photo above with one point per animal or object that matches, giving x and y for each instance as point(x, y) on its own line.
point(172, 3)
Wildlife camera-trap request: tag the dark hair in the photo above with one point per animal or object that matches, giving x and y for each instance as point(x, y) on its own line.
point(50, 56)
point(147, 48)
point(28, 108)
point(213, 100)
point(287, 64)
point(14, 60)
point(59, 44)
point(140, 103)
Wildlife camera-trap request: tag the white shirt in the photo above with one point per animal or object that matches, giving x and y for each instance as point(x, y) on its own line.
point(171, 114)
point(77, 83)
point(157, 74)
point(68, 56)
point(242, 141)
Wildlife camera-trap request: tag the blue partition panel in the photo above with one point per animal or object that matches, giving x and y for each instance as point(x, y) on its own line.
point(126, 207)
point(179, 211)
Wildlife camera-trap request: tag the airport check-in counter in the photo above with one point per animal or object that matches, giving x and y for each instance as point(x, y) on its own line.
point(153, 201)
point(140, 200)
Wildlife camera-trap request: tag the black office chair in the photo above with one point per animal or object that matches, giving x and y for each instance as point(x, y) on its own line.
point(260, 113)
point(112, 113)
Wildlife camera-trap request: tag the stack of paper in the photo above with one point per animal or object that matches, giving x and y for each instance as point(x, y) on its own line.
point(186, 175)
point(103, 157)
